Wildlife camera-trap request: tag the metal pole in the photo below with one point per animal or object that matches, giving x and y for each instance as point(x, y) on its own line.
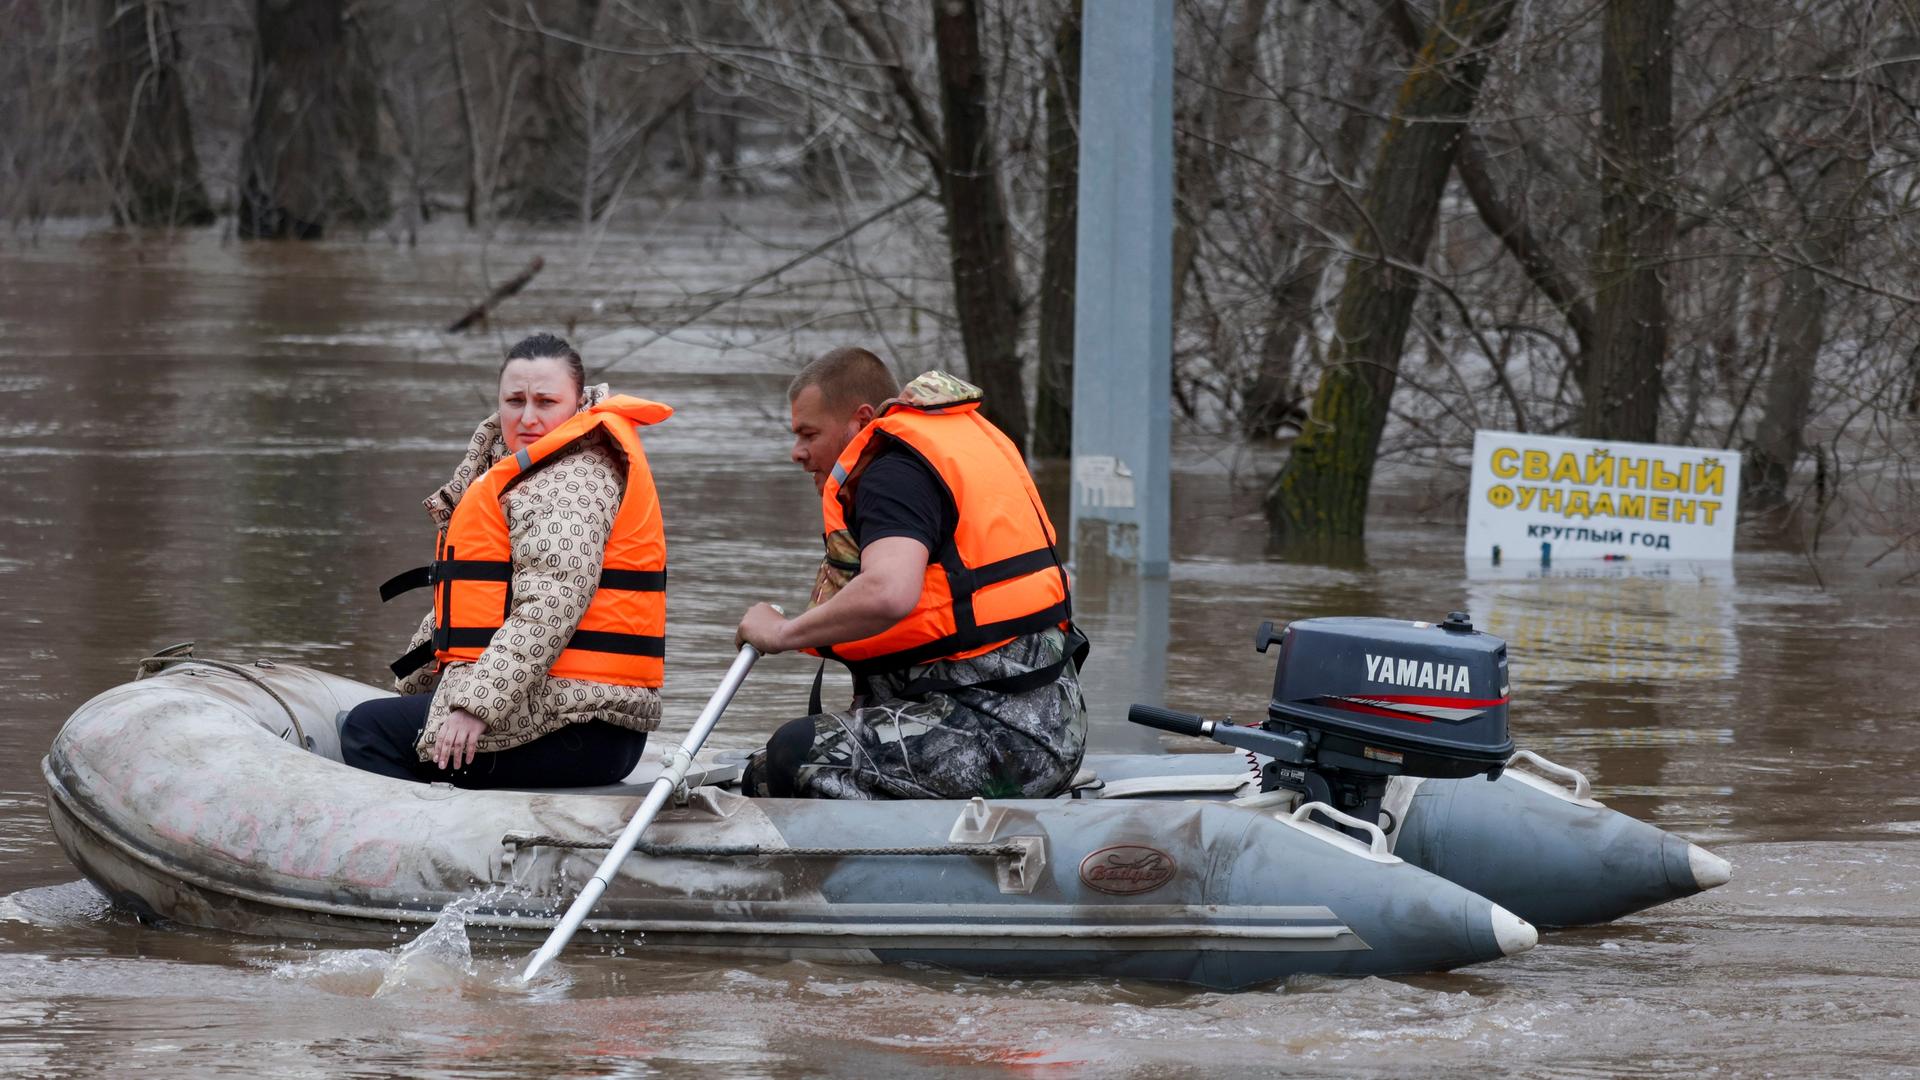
point(1123, 288)
point(670, 778)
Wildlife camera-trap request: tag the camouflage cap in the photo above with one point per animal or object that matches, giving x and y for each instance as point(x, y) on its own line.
point(936, 389)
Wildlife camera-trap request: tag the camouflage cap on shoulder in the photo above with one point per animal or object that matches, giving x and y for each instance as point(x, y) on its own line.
point(938, 389)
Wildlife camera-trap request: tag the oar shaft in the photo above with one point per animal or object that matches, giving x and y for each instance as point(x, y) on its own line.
point(670, 778)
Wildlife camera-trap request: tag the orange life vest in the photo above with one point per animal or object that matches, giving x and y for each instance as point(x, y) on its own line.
point(622, 637)
point(997, 579)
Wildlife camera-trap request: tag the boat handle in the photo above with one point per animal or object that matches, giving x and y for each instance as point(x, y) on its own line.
point(1379, 845)
point(1581, 789)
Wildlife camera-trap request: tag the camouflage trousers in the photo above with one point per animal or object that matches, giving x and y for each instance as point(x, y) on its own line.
point(946, 745)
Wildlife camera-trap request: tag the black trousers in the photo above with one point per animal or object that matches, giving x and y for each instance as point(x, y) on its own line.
point(379, 735)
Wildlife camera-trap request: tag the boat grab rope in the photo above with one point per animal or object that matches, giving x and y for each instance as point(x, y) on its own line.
point(737, 851)
point(152, 665)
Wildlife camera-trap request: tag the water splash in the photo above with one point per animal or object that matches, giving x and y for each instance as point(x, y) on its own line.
point(438, 963)
point(73, 904)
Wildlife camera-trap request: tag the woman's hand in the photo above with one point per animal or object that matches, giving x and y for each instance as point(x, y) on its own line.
point(459, 740)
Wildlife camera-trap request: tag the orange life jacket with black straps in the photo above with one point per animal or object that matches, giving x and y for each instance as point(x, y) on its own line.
point(622, 636)
point(997, 579)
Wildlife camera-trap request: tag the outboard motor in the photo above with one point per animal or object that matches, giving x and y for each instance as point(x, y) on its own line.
point(1357, 701)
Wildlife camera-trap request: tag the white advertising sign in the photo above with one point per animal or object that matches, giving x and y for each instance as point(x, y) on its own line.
point(1599, 500)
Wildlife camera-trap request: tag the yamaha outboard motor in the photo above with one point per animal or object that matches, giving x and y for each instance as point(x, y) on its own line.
point(1357, 701)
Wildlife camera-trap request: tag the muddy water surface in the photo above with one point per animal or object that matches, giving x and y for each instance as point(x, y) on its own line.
point(228, 444)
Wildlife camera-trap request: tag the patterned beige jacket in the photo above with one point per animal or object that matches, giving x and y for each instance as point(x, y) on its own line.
point(559, 520)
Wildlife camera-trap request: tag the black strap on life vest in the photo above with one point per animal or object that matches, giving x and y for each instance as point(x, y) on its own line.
point(479, 637)
point(1076, 650)
point(962, 583)
point(813, 696)
point(421, 577)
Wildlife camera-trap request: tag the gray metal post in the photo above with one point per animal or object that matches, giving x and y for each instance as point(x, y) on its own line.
point(1123, 306)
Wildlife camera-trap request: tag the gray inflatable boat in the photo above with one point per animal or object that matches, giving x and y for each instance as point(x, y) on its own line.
point(211, 794)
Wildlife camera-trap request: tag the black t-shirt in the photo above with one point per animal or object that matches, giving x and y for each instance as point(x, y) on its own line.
point(899, 495)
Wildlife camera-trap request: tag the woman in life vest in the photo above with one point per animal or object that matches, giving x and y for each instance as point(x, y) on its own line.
point(540, 664)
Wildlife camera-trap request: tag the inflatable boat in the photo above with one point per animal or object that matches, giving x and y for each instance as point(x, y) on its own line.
point(211, 794)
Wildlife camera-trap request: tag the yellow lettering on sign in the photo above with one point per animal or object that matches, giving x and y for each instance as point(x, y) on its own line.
point(1631, 472)
point(1567, 470)
point(1710, 479)
point(1600, 468)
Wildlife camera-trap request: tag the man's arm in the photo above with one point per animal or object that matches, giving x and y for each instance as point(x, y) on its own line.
point(885, 591)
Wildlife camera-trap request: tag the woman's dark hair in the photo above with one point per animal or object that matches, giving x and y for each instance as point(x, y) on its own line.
point(548, 347)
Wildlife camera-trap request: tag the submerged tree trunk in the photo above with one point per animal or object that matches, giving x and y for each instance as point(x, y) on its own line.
point(152, 165)
point(1053, 397)
point(312, 156)
point(1779, 437)
point(985, 292)
point(1621, 390)
point(1321, 493)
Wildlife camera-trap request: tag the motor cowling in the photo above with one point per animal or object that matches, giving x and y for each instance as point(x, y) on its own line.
point(1370, 699)
point(1390, 697)
point(1358, 701)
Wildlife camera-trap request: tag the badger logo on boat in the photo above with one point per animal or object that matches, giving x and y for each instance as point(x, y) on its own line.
point(1126, 869)
point(1419, 674)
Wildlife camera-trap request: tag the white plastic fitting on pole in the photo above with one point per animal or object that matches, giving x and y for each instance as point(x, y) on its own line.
point(670, 778)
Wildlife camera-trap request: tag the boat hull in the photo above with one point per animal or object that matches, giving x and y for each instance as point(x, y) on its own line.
point(182, 799)
point(1553, 858)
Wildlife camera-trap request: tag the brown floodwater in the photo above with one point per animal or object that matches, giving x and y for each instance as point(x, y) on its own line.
point(228, 444)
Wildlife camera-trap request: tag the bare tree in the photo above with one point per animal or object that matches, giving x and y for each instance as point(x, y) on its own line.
point(1321, 493)
point(1053, 391)
point(152, 166)
point(1622, 375)
point(312, 156)
point(1301, 251)
point(986, 292)
point(1838, 120)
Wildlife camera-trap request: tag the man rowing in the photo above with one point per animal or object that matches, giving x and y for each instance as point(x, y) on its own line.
point(941, 593)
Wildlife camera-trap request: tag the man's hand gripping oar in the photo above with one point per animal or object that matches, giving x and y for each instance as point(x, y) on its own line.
point(670, 778)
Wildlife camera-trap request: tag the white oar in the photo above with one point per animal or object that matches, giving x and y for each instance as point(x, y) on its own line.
point(670, 778)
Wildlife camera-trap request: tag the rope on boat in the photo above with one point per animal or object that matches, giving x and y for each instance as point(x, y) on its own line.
point(153, 664)
point(736, 851)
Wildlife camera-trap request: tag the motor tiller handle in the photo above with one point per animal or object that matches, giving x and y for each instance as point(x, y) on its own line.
point(1289, 748)
point(1179, 723)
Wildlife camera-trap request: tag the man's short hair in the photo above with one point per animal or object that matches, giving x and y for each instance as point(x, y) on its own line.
point(848, 378)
